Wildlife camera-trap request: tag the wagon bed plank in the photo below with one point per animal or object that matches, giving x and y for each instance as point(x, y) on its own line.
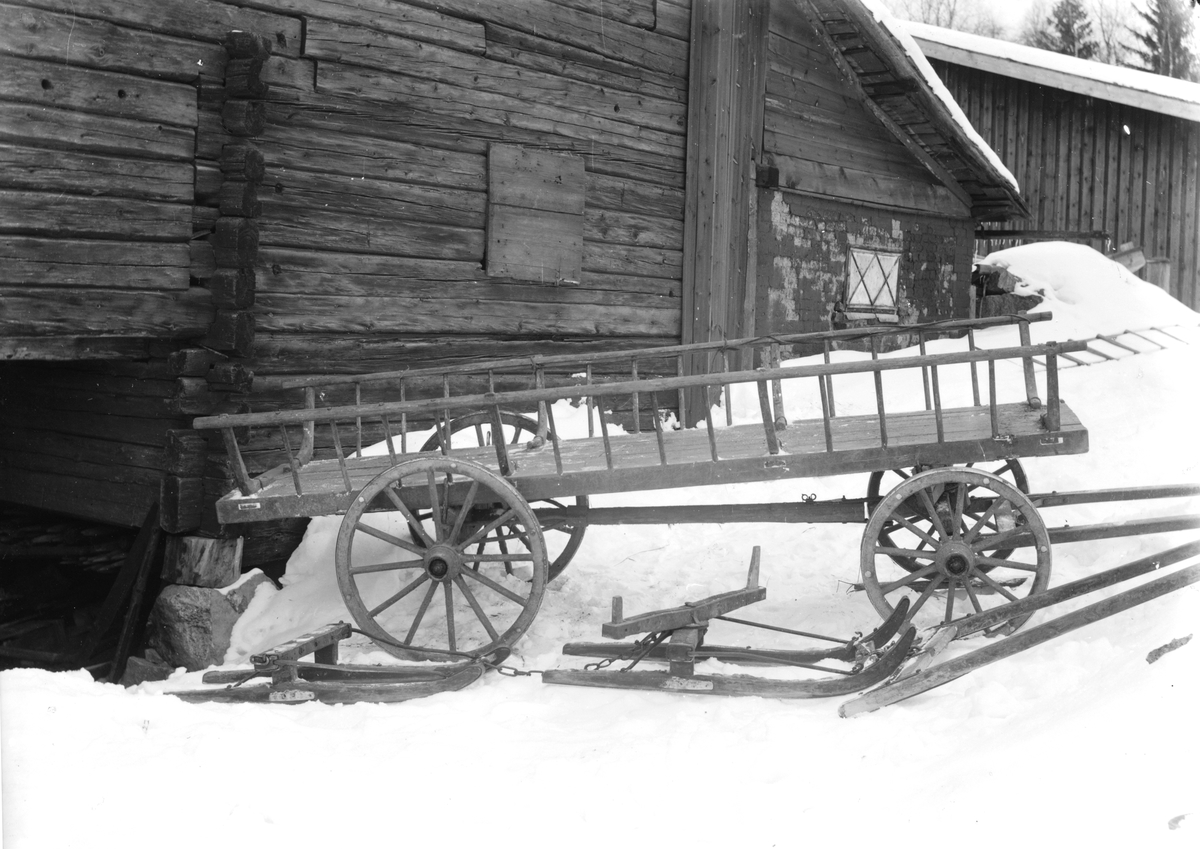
point(742, 451)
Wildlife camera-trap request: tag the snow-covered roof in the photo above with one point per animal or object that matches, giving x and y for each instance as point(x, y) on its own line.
point(898, 29)
point(1143, 90)
point(907, 95)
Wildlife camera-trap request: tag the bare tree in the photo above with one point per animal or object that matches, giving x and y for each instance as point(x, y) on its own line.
point(1162, 38)
point(1112, 23)
point(973, 16)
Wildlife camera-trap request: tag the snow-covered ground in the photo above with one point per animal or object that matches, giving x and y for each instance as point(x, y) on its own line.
point(1077, 742)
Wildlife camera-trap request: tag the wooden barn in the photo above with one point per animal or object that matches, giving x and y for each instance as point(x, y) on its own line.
point(206, 199)
point(1103, 154)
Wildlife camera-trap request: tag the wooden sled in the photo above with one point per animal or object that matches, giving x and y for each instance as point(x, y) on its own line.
point(677, 636)
point(293, 681)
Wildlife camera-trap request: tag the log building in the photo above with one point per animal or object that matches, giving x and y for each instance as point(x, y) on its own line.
point(1106, 155)
point(204, 198)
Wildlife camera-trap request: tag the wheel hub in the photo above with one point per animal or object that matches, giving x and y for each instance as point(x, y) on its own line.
point(955, 560)
point(442, 563)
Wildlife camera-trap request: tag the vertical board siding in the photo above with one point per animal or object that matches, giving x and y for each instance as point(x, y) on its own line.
point(1080, 170)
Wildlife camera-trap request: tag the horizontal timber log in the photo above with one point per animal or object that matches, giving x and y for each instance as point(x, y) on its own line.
point(21, 348)
point(97, 312)
point(499, 110)
point(64, 129)
point(210, 20)
point(81, 216)
point(104, 501)
point(111, 426)
point(63, 86)
point(325, 314)
point(376, 198)
point(477, 289)
point(290, 227)
point(141, 476)
point(359, 46)
point(82, 448)
point(632, 261)
point(348, 354)
point(31, 261)
point(72, 39)
point(544, 54)
point(39, 170)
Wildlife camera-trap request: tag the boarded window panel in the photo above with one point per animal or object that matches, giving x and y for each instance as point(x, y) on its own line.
point(535, 214)
point(871, 285)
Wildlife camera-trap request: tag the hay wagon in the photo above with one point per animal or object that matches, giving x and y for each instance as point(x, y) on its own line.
point(453, 527)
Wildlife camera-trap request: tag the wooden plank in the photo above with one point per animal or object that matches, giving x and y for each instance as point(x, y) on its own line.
point(80, 41)
point(535, 179)
point(349, 45)
point(65, 129)
point(629, 228)
point(71, 87)
point(37, 169)
point(79, 216)
point(209, 20)
point(631, 261)
point(1189, 278)
point(84, 312)
point(673, 18)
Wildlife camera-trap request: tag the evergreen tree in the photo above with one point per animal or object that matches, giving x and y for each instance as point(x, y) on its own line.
point(1161, 45)
point(1067, 31)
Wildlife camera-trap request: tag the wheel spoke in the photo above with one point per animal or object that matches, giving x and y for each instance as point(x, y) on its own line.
point(907, 579)
point(395, 598)
point(413, 521)
point(933, 515)
point(482, 533)
point(997, 587)
point(950, 582)
point(1006, 564)
point(974, 598)
point(987, 514)
point(416, 623)
point(390, 566)
point(450, 616)
point(925, 596)
point(495, 587)
point(993, 541)
point(389, 538)
point(463, 511)
point(479, 437)
point(471, 600)
point(925, 537)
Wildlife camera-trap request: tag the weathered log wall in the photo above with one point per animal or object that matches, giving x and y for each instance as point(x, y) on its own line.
point(839, 179)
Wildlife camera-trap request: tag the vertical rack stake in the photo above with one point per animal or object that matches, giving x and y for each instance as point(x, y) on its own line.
point(883, 440)
point(825, 413)
point(974, 367)
point(764, 408)
point(658, 431)
point(358, 419)
point(287, 446)
point(725, 390)
point(1030, 381)
point(590, 404)
point(937, 405)
point(498, 436)
point(387, 434)
point(245, 484)
point(682, 408)
point(608, 460)
point(777, 391)
point(308, 434)
point(1053, 414)
point(828, 380)
point(924, 368)
point(708, 425)
point(995, 412)
point(403, 423)
point(341, 457)
point(633, 375)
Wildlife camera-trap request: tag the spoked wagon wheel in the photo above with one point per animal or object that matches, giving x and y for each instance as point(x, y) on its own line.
point(474, 430)
point(975, 520)
point(1010, 471)
point(390, 581)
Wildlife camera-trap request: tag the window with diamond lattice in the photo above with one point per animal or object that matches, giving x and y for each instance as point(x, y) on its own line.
point(871, 284)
